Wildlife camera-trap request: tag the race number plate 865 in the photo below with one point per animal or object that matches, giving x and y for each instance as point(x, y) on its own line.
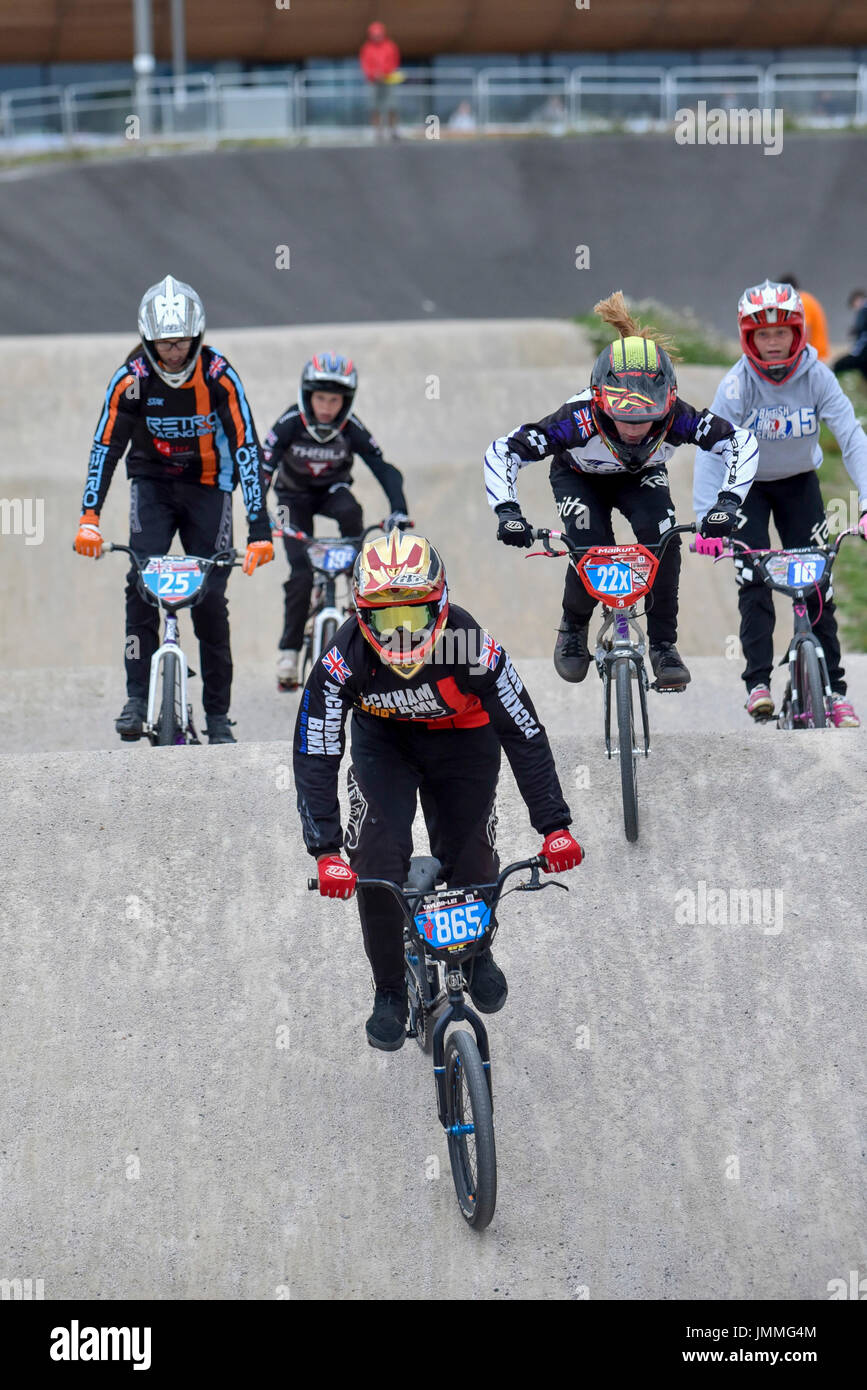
point(453, 925)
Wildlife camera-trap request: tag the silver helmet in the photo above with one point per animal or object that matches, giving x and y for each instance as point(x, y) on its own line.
point(171, 309)
point(327, 372)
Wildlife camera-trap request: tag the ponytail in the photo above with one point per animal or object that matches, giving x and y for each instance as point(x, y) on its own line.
point(613, 310)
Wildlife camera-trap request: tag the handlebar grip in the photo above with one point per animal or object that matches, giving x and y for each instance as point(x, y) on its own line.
point(312, 884)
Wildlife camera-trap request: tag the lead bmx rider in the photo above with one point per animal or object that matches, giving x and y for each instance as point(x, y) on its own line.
point(434, 698)
point(182, 409)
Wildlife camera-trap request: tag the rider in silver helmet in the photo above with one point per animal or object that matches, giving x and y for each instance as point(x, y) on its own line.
point(181, 408)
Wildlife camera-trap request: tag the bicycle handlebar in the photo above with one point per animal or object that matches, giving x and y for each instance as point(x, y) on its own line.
point(545, 536)
point(535, 864)
point(347, 540)
point(739, 546)
point(221, 558)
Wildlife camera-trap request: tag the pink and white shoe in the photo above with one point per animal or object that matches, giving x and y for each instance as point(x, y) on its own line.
point(843, 715)
point(759, 703)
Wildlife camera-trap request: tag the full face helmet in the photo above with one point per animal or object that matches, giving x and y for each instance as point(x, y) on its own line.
point(327, 372)
point(171, 309)
point(772, 305)
point(401, 598)
point(633, 380)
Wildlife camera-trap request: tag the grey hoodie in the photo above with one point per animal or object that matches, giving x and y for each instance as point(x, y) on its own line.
point(785, 420)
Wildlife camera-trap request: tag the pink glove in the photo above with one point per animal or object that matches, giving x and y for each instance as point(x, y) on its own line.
point(336, 879)
point(862, 526)
point(561, 852)
point(709, 545)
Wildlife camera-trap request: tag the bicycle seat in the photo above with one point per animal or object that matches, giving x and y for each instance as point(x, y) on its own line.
point(423, 873)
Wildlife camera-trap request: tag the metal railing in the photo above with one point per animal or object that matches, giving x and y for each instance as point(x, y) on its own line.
point(289, 103)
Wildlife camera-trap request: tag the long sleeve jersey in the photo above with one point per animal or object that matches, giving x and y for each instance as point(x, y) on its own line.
point(302, 464)
point(571, 437)
point(785, 419)
point(469, 682)
point(201, 432)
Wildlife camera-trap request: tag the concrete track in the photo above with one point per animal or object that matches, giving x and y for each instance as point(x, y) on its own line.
point(190, 1108)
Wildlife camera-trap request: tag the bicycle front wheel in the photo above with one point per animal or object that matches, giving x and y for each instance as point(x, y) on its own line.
point(812, 696)
point(628, 753)
point(169, 726)
point(470, 1130)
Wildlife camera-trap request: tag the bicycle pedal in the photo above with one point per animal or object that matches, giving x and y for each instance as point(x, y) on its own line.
point(668, 689)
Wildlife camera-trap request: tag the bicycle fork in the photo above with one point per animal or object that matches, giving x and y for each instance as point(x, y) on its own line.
point(170, 645)
point(457, 1011)
point(613, 650)
point(804, 633)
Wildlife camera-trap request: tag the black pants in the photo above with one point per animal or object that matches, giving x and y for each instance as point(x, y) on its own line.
point(585, 502)
point(297, 512)
point(799, 515)
point(202, 517)
point(455, 771)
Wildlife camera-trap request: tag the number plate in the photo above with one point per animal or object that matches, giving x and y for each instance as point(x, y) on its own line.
point(333, 559)
point(172, 578)
point(794, 571)
point(452, 922)
point(619, 575)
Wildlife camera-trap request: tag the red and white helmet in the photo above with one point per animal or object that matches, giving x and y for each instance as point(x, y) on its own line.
point(772, 305)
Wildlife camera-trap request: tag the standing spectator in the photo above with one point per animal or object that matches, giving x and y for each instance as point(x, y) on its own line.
point(856, 360)
point(380, 59)
point(814, 319)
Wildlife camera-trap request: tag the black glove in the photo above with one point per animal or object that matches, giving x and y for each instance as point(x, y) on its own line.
point(514, 529)
point(722, 518)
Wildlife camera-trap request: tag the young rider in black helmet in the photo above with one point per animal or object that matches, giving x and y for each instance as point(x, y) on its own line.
point(309, 453)
point(609, 447)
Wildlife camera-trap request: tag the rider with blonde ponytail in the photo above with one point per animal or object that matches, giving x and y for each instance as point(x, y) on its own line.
point(609, 445)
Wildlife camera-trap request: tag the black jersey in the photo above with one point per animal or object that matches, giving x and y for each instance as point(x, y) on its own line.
point(299, 463)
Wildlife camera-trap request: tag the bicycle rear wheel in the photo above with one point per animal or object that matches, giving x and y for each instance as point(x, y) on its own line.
point(626, 742)
point(810, 689)
point(169, 725)
point(470, 1130)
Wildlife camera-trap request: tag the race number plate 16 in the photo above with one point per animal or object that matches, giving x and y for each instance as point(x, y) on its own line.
point(453, 924)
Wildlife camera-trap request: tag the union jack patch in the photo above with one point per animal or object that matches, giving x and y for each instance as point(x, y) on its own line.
point(217, 366)
point(139, 366)
point(490, 653)
point(336, 666)
point(584, 420)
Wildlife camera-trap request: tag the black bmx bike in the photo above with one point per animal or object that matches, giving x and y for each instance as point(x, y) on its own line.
point(444, 929)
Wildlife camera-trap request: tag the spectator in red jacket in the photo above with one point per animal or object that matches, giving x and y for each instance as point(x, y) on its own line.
point(380, 60)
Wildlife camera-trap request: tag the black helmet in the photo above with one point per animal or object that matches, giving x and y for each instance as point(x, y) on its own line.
point(327, 372)
point(633, 380)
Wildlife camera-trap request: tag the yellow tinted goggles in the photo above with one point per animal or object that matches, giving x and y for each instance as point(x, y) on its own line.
point(412, 617)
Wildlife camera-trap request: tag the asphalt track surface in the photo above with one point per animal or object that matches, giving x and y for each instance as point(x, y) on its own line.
point(190, 1107)
point(476, 229)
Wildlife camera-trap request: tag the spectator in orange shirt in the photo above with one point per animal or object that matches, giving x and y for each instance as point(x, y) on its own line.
point(814, 319)
point(380, 59)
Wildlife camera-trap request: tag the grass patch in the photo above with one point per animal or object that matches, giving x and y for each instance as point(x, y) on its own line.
point(696, 342)
point(850, 569)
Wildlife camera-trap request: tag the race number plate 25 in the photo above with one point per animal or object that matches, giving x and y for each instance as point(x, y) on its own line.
point(451, 923)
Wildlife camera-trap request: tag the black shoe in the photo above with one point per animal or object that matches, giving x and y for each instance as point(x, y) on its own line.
point(219, 729)
point(386, 1027)
point(571, 653)
point(487, 984)
point(130, 721)
point(668, 667)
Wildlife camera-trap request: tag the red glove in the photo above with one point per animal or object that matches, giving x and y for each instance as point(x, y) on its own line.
point(561, 852)
point(336, 879)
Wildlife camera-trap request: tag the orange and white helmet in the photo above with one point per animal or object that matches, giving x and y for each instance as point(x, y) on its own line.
point(401, 597)
point(772, 305)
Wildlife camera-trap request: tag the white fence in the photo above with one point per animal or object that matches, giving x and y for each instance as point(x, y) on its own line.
point(284, 104)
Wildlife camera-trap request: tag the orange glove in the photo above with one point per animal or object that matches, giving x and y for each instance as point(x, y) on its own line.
point(89, 538)
point(258, 553)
